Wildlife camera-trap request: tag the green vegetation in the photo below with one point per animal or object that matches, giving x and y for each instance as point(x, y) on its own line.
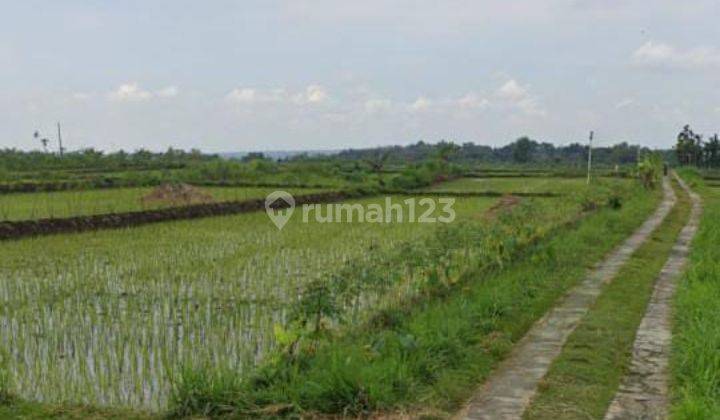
point(218, 172)
point(91, 160)
point(29, 206)
point(123, 315)
point(227, 315)
point(692, 150)
point(650, 169)
point(583, 380)
point(696, 333)
point(523, 185)
point(168, 294)
point(18, 409)
point(424, 354)
point(522, 152)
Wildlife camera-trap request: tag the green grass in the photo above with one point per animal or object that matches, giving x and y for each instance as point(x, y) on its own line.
point(695, 363)
point(525, 185)
point(583, 379)
point(30, 410)
point(38, 205)
point(429, 357)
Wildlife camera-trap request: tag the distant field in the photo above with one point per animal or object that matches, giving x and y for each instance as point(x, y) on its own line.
point(39, 205)
point(524, 185)
point(58, 204)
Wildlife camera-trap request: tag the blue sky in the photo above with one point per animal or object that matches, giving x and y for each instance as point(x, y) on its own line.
point(270, 75)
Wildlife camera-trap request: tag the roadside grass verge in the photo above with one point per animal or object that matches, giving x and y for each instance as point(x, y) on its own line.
point(428, 358)
point(695, 361)
point(582, 381)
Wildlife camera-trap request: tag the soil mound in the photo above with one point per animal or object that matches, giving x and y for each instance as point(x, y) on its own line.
point(177, 194)
point(504, 204)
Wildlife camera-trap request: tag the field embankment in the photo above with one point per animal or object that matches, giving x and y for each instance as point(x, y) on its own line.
point(24, 228)
point(40, 213)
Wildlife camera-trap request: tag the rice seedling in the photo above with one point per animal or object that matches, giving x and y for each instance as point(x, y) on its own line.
point(524, 184)
point(30, 206)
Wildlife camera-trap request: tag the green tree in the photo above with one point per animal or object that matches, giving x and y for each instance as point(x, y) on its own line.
point(522, 150)
point(689, 147)
point(446, 150)
point(711, 152)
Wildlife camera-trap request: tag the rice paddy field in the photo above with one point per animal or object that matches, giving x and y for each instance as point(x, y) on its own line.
point(107, 318)
point(58, 204)
point(520, 184)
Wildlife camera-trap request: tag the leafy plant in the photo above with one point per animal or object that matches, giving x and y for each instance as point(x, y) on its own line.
point(650, 170)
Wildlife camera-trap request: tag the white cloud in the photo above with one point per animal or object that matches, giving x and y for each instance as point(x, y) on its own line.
point(316, 94)
point(661, 55)
point(313, 94)
point(515, 95)
point(242, 95)
point(472, 101)
point(81, 96)
point(511, 91)
point(373, 106)
point(624, 103)
point(421, 104)
point(132, 92)
point(168, 92)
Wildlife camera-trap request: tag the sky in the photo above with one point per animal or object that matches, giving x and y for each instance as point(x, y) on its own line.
point(222, 75)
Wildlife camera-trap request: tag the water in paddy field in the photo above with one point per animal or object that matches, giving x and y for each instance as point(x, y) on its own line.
point(106, 333)
point(116, 346)
point(111, 354)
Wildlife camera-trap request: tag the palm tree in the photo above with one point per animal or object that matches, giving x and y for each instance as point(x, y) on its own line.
point(377, 164)
point(689, 147)
point(44, 140)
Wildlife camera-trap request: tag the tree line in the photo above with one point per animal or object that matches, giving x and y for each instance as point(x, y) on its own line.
point(691, 149)
point(522, 151)
point(91, 159)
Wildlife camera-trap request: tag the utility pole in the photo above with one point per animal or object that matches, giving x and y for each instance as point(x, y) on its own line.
point(590, 156)
point(60, 146)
